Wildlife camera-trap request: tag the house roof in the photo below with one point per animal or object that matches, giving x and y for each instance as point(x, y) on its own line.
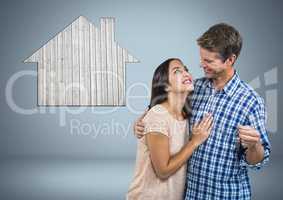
point(106, 26)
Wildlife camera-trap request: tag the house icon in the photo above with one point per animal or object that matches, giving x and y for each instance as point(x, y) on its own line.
point(82, 66)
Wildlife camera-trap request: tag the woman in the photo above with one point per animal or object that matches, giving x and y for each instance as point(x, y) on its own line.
point(163, 151)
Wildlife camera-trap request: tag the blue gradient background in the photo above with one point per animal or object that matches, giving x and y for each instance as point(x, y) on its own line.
point(42, 160)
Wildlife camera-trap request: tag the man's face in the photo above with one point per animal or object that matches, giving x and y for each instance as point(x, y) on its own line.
point(213, 66)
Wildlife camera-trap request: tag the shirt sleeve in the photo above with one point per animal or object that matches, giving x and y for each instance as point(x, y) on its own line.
point(257, 119)
point(156, 122)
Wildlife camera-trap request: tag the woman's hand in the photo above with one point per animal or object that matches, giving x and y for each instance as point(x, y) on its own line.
point(166, 164)
point(201, 130)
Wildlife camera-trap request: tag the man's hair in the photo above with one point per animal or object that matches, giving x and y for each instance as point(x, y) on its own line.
point(223, 39)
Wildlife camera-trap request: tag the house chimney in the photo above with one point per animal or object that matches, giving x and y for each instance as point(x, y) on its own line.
point(107, 28)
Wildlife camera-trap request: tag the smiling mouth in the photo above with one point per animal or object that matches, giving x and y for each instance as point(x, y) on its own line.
point(187, 81)
point(207, 71)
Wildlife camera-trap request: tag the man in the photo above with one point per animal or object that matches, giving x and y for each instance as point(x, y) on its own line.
point(218, 169)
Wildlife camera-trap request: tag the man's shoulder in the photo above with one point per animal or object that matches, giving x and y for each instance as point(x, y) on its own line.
point(249, 93)
point(200, 82)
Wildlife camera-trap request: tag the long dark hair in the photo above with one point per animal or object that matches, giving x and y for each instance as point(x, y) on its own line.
point(160, 82)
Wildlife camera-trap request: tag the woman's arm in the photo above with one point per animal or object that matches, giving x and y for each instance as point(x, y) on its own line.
point(165, 164)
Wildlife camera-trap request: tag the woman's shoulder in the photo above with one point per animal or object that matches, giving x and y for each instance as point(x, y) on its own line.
point(155, 112)
point(158, 109)
point(156, 120)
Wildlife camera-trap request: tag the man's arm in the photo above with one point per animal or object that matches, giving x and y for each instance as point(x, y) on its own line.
point(139, 126)
point(250, 138)
point(254, 136)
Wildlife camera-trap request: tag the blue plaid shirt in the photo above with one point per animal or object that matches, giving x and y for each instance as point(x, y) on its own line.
point(218, 168)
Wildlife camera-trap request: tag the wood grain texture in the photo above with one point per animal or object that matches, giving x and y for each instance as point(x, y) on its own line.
point(82, 66)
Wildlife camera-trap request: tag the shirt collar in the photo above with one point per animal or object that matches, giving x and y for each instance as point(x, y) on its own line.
point(230, 86)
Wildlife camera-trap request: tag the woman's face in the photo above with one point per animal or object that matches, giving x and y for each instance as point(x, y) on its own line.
point(180, 80)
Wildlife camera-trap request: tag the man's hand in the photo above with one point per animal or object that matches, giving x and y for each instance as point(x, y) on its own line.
point(139, 126)
point(250, 138)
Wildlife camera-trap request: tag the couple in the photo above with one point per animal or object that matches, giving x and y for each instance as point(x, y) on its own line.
point(215, 125)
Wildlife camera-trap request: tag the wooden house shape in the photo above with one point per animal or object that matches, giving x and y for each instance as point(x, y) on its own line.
point(82, 66)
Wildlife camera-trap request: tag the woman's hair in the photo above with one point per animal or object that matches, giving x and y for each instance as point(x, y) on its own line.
point(160, 83)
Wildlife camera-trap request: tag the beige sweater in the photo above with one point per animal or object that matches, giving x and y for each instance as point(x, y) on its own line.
point(145, 184)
